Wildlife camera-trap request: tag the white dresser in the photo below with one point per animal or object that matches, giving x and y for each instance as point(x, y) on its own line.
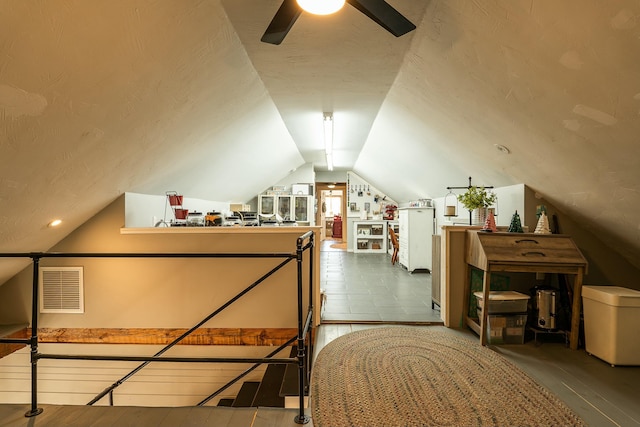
point(415, 230)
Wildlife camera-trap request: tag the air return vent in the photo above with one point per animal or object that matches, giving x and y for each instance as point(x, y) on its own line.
point(61, 290)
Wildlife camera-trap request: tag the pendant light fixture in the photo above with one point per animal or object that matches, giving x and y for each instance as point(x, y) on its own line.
point(450, 204)
point(321, 7)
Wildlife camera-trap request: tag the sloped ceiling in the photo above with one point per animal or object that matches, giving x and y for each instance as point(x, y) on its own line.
point(102, 97)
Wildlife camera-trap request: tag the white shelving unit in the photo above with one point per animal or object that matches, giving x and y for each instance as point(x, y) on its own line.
point(370, 237)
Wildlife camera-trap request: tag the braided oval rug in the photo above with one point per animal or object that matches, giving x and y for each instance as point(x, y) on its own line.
point(402, 376)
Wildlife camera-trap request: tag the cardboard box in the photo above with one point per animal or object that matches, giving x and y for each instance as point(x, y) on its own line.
point(505, 328)
point(239, 207)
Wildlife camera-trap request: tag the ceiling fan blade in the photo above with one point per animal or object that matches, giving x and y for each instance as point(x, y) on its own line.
point(282, 22)
point(385, 15)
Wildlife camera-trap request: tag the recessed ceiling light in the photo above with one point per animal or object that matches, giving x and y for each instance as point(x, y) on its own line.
point(502, 148)
point(55, 223)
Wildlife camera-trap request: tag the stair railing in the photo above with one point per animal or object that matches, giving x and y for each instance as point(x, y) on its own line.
point(305, 322)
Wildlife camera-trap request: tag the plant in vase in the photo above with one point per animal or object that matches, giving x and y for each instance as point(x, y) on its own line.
point(477, 200)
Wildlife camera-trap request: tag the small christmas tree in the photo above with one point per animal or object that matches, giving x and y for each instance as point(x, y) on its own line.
point(543, 225)
point(516, 225)
point(490, 223)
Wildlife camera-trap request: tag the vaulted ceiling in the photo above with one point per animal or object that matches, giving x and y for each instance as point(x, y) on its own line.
point(102, 97)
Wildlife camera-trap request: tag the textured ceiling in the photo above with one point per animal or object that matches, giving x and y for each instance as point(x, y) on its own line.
point(102, 97)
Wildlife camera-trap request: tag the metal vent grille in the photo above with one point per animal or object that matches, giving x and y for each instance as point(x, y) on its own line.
point(61, 290)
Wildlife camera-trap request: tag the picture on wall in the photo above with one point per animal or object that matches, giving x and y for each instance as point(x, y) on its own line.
point(367, 206)
point(353, 206)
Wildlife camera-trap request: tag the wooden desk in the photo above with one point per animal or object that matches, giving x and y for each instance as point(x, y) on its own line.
point(524, 253)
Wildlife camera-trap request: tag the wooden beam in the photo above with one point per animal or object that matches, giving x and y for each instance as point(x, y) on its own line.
point(7, 349)
point(160, 336)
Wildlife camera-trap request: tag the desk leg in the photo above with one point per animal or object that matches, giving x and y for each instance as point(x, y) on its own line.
point(575, 310)
point(486, 288)
point(467, 296)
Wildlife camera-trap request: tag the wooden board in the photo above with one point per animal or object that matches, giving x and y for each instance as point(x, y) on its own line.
point(12, 331)
point(522, 248)
point(202, 336)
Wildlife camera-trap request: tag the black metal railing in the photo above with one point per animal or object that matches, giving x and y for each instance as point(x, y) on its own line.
point(305, 322)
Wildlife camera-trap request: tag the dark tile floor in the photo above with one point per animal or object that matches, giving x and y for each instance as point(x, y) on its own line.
point(367, 288)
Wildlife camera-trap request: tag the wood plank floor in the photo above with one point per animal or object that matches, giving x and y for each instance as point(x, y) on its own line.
point(123, 416)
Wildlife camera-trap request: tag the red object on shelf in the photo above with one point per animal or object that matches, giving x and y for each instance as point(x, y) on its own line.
point(337, 227)
point(181, 213)
point(390, 212)
point(175, 199)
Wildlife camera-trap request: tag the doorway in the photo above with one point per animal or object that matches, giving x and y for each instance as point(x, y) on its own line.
point(364, 287)
point(330, 216)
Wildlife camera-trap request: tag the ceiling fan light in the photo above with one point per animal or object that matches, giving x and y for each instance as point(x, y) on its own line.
point(321, 7)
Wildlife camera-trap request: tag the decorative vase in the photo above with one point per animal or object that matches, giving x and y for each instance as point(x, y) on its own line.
point(478, 216)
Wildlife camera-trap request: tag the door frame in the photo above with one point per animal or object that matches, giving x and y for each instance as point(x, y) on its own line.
point(321, 186)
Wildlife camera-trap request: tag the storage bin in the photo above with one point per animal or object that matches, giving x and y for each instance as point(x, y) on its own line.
point(505, 328)
point(175, 200)
point(504, 301)
point(181, 213)
point(611, 318)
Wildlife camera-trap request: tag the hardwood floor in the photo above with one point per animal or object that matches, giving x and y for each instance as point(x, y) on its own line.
point(123, 416)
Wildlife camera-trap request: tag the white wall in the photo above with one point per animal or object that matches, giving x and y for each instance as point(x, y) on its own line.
point(302, 175)
point(355, 184)
point(510, 200)
point(145, 210)
point(332, 176)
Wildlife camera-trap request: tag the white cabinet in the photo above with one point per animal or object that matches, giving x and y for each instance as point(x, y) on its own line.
point(283, 207)
point(297, 208)
point(415, 227)
point(370, 237)
point(302, 209)
point(266, 205)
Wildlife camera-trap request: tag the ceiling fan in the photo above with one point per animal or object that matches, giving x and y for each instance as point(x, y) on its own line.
point(379, 11)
